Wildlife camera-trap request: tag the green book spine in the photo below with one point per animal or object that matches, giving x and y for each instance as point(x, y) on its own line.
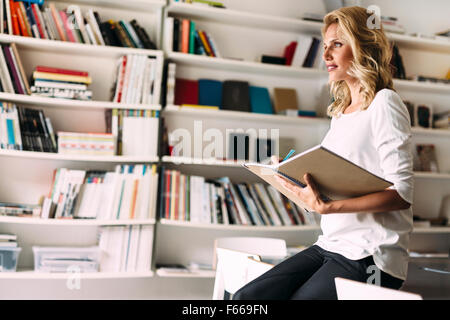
point(192, 37)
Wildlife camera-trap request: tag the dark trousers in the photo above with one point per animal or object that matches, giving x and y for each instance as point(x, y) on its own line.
point(310, 275)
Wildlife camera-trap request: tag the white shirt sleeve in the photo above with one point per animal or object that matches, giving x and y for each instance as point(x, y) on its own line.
point(392, 139)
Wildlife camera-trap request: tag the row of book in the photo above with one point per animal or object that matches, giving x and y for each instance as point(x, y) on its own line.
point(70, 24)
point(8, 241)
point(199, 200)
point(305, 52)
point(422, 115)
point(61, 83)
point(231, 95)
point(126, 248)
point(127, 193)
point(135, 80)
point(12, 74)
point(187, 39)
point(25, 129)
point(135, 131)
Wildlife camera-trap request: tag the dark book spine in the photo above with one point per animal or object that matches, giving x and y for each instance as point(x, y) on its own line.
point(142, 34)
point(34, 144)
point(105, 30)
point(110, 30)
point(176, 35)
point(46, 134)
point(12, 70)
point(24, 132)
point(122, 36)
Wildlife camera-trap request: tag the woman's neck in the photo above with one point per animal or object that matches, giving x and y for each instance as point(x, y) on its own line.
point(356, 98)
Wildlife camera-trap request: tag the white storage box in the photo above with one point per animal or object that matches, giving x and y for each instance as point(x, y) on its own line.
point(66, 259)
point(8, 258)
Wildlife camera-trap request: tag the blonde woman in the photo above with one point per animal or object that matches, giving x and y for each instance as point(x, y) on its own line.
point(365, 238)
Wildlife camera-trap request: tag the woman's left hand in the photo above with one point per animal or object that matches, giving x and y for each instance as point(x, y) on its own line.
point(309, 195)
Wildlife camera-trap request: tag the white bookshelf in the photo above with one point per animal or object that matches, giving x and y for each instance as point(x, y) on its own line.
point(28, 175)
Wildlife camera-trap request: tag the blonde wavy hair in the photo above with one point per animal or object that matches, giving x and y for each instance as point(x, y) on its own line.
point(371, 57)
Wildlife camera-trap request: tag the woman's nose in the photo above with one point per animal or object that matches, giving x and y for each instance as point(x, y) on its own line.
point(326, 54)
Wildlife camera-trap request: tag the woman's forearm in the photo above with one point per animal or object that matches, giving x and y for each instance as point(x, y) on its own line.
point(387, 200)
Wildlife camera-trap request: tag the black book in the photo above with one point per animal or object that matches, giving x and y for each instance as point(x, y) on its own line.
point(235, 96)
point(40, 131)
point(107, 28)
point(33, 130)
point(24, 131)
point(143, 36)
point(46, 133)
point(176, 35)
point(312, 53)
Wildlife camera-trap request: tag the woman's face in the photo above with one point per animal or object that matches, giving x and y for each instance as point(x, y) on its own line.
point(337, 54)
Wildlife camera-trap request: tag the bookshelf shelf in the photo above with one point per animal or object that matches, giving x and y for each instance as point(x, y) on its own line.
point(148, 5)
point(243, 18)
point(71, 104)
point(72, 222)
point(32, 275)
point(429, 131)
point(81, 158)
point(417, 43)
point(230, 115)
point(186, 224)
point(245, 66)
point(432, 230)
point(432, 175)
point(422, 86)
point(65, 47)
point(194, 274)
point(212, 161)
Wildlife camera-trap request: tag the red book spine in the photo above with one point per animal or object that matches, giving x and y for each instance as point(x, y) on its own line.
point(168, 174)
point(185, 25)
point(20, 19)
point(62, 71)
point(14, 18)
point(34, 7)
point(121, 79)
point(205, 35)
point(177, 193)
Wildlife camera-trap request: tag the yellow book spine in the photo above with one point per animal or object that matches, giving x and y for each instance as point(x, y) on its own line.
point(61, 77)
point(200, 106)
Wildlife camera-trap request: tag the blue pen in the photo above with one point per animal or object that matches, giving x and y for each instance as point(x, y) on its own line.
point(289, 154)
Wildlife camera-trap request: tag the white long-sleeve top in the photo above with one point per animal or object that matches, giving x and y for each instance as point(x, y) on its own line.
point(379, 140)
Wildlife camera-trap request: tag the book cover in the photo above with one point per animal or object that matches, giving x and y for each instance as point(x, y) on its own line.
point(20, 67)
point(210, 92)
point(176, 35)
point(143, 35)
point(321, 163)
point(235, 96)
point(303, 44)
point(289, 51)
point(260, 100)
point(58, 22)
point(186, 91)
point(285, 98)
point(61, 77)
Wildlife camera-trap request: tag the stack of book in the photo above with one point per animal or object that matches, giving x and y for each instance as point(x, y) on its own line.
point(8, 240)
point(95, 144)
point(19, 209)
point(70, 24)
point(126, 248)
point(135, 78)
point(61, 83)
point(136, 132)
point(199, 200)
point(25, 129)
point(187, 39)
point(127, 193)
point(12, 75)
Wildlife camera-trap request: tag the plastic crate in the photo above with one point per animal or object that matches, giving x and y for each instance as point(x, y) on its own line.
point(66, 259)
point(9, 256)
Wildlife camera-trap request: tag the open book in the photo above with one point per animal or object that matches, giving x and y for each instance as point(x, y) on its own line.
point(336, 177)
